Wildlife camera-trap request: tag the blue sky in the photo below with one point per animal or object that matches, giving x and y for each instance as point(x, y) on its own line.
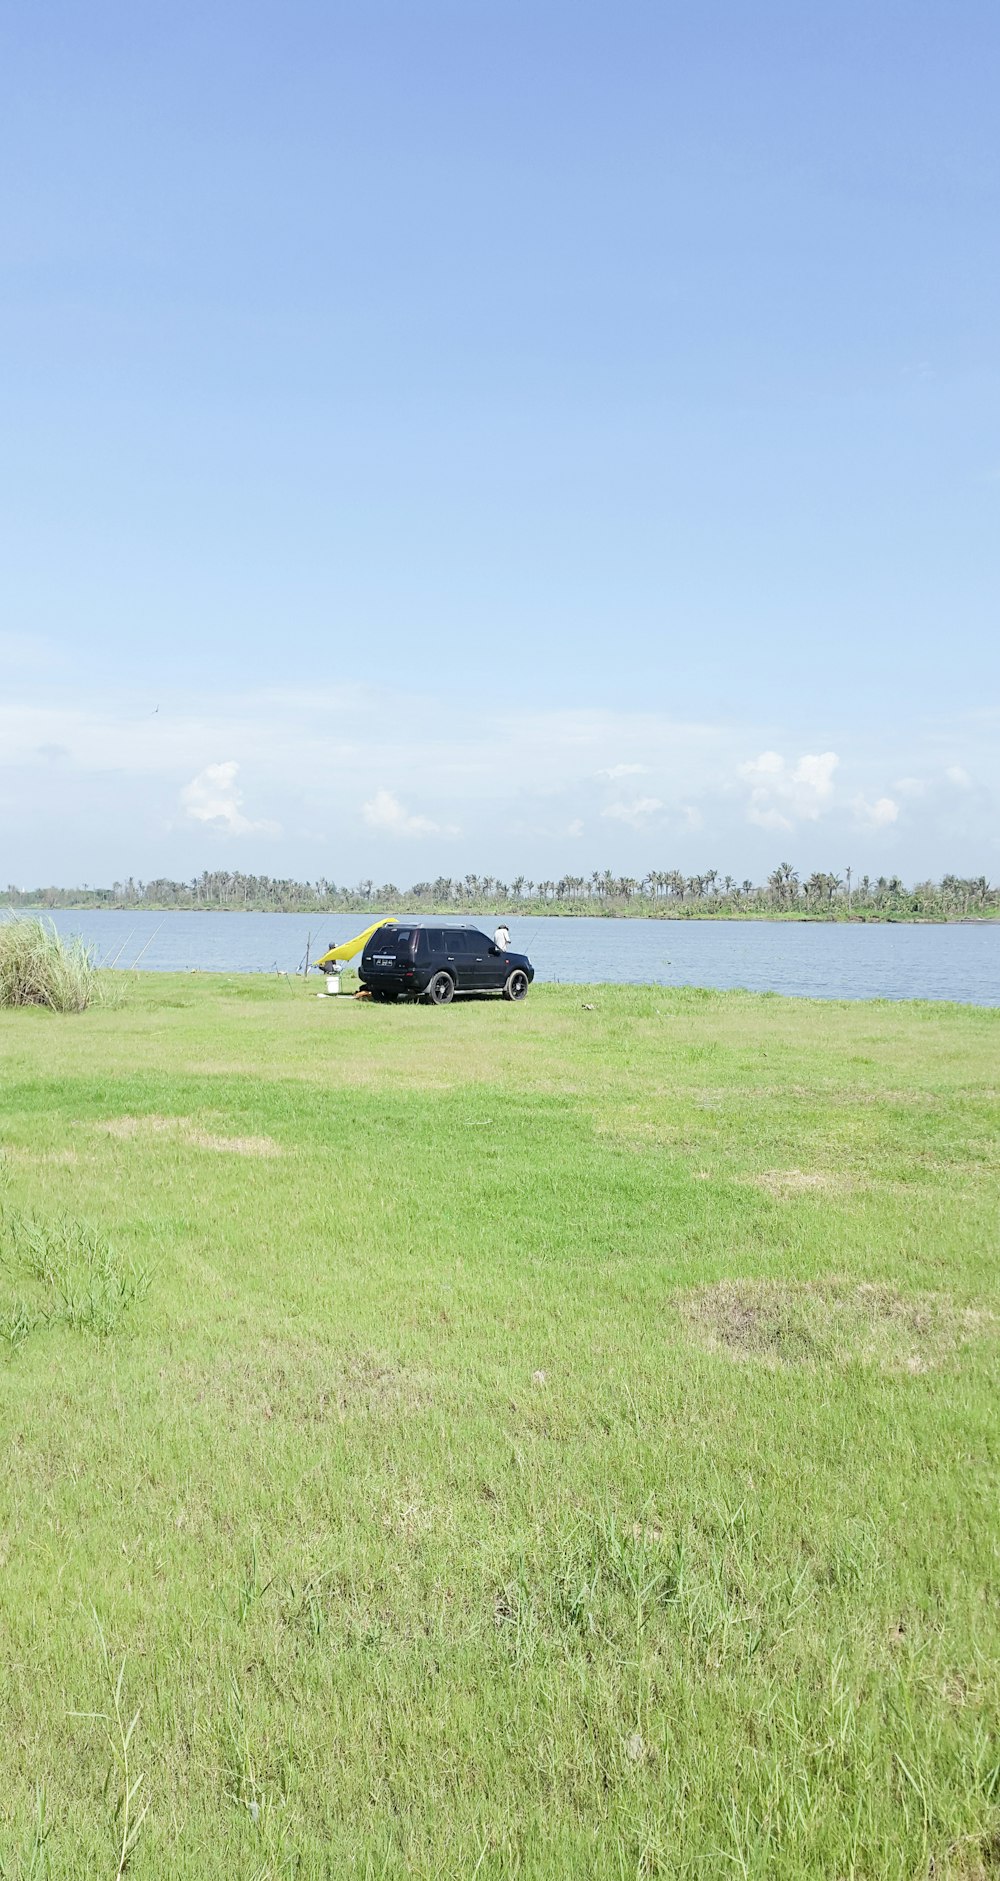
point(499, 437)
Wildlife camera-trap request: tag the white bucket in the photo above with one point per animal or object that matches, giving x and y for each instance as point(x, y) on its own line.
point(333, 983)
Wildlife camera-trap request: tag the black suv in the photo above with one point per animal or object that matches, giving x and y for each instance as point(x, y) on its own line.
point(435, 963)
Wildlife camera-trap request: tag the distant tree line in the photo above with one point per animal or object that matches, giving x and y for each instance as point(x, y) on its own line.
point(667, 892)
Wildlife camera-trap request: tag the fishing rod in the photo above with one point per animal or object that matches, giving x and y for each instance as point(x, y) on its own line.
point(142, 950)
point(121, 950)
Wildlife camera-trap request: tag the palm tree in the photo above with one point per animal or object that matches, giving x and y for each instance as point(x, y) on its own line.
point(784, 883)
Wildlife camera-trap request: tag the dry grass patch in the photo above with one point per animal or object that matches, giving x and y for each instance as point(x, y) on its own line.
point(57, 1158)
point(303, 1383)
point(976, 1859)
point(783, 1323)
point(127, 1127)
point(184, 1130)
point(234, 1145)
point(784, 1183)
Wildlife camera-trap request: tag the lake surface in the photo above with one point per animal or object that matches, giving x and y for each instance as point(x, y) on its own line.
point(813, 961)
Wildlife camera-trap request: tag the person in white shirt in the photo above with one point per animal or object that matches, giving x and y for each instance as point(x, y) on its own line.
point(501, 938)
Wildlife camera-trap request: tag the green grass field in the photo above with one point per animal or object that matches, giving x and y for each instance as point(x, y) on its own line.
point(499, 1441)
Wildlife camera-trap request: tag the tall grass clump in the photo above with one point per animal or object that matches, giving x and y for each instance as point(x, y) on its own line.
point(66, 1274)
point(39, 968)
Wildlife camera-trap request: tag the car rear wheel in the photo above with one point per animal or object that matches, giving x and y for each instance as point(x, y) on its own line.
point(516, 985)
point(441, 990)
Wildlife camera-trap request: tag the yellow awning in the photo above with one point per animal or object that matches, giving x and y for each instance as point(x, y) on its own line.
point(348, 949)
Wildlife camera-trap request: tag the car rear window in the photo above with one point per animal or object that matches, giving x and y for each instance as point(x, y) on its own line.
point(392, 942)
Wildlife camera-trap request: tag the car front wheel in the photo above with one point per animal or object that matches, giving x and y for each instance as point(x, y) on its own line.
point(516, 985)
point(441, 990)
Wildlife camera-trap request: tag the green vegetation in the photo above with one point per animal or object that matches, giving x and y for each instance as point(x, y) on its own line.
point(39, 968)
point(64, 1272)
point(535, 1441)
point(668, 893)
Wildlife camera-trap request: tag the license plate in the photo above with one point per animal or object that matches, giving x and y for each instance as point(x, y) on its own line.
point(384, 960)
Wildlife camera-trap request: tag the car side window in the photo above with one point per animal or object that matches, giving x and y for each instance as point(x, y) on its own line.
point(436, 937)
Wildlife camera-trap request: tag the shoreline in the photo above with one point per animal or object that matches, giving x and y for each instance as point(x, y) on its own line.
point(535, 912)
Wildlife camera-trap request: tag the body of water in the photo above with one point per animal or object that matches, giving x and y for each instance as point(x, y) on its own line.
point(811, 960)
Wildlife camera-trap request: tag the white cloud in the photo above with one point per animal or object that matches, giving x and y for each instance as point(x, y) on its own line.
point(817, 773)
point(957, 775)
point(877, 815)
point(768, 818)
point(213, 798)
point(636, 812)
point(782, 794)
point(385, 812)
point(615, 771)
point(103, 774)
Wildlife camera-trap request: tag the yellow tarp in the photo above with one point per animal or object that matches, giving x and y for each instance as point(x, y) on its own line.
point(348, 949)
